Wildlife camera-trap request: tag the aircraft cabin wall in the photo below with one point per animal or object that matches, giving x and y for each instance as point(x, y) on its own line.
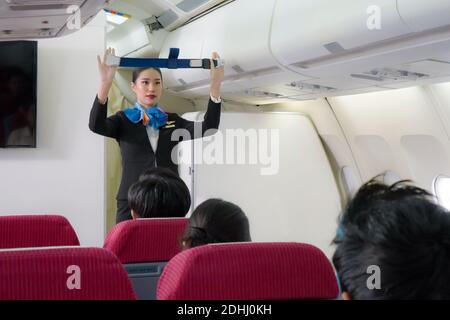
point(440, 94)
point(274, 166)
point(65, 174)
point(339, 154)
point(398, 130)
point(401, 133)
point(304, 210)
point(338, 151)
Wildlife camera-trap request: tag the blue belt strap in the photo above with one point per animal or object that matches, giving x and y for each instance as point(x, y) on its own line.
point(171, 63)
point(173, 57)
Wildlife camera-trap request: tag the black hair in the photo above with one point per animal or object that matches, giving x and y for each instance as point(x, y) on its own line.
point(159, 172)
point(159, 193)
point(137, 72)
point(216, 221)
point(401, 230)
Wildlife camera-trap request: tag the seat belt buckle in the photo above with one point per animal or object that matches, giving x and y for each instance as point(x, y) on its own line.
point(206, 63)
point(196, 63)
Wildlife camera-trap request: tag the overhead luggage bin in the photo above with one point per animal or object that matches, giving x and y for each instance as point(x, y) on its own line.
point(239, 32)
point(307, 30)
point(329, 46)
point(422, 15)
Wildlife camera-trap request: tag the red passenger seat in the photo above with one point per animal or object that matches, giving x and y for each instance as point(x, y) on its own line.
point(145, 246)
point(249, 271)
point(74, 273)
point(27, 231)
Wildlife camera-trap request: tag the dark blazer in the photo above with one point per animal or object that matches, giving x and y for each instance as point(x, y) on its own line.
point(137, 153)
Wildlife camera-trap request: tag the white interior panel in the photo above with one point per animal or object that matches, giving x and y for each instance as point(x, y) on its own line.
point(421, 15)
point(375, 154)
point(333, 138)
point(376, 123)
point(426, 156)
point(287, 205)
point(190, 42)
point(440, 95)
point(391, 177)
point(132, 35)
point(240, 31)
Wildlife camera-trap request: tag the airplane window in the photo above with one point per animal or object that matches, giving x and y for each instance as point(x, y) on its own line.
point(442, 190)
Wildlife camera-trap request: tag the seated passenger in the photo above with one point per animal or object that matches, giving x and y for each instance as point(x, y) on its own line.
point(158, 172)
point(216, 221)
point(394, 243)
point(159, 193)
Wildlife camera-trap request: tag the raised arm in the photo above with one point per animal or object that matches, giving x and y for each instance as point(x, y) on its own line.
point(217, 75)
point(98, 122)
point(212, 116)
point(107, 74)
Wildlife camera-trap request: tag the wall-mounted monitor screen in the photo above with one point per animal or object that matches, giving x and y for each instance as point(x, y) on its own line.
point(18, 74)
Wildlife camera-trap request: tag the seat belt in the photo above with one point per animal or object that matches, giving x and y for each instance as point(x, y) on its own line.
point(171, 63)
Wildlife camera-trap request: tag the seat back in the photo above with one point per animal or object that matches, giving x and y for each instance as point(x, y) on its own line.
point(145, 246)
point(27, 231)
point(249, 271)
point(64, 273)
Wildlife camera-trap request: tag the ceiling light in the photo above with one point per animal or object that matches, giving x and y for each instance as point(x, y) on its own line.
point(116, 17)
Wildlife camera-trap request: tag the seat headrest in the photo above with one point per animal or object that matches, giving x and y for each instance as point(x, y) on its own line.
point(146, 240)
point(242, 271)
point(63, 274)
point(26, 231)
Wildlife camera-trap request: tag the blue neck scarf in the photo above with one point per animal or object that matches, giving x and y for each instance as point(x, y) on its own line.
point(156, 117)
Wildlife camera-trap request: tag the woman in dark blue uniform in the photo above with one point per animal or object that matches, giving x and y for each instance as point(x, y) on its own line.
point(144, 132)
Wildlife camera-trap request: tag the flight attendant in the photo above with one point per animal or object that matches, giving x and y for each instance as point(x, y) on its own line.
point(144, 132)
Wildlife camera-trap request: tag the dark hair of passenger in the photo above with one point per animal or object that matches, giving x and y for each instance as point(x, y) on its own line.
point(137, 72)
point(216, 221)
point(400, 230)
point(159, 172)
point(159, 193)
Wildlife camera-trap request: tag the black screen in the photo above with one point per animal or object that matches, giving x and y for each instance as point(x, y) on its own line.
point(18, 72)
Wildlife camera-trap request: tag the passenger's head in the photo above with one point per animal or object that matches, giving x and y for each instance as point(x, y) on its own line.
point(216, 221)
point(159, 172)
point(394, 244)
point(159, 193)
point(147, 85)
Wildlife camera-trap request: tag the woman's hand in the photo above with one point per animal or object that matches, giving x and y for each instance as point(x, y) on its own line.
point(107, 74)
point(217, 75)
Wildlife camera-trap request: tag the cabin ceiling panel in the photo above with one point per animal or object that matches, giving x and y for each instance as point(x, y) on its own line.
point(24, 19)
